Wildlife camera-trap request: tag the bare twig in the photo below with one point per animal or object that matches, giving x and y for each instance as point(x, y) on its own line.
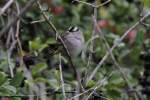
point(10, 36)
point(23, 11)
point(10, 44)
point(72, 98)
point(38, 21)
point(101, 35)
point(6, 6)
point(99, 84)
point(41, 94)
point(9, 52)
point(115, 45)
point(17, 30)
point(93, 5)
point(106, 2)
point(61, 77)
point(92, 41)
point(146, 25)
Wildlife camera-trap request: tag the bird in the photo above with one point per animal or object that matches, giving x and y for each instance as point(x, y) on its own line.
point(74, 41)
point(72, 38)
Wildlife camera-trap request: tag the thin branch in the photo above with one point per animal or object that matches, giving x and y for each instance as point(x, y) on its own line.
point(146, 25)
point(89, 4)
point(101, 35)
point(6, 6)
point(99, 84)
point(92, 45)
point(72, 98)
point(38, 21)
point(17, 30)
point(77, 74)
point(115, 45)
point(92, 5)
point(9, 52)
point(10, 36)
point(32, 95)
point(10, 44)
point(12, 22)
point(106, 2)
point(61, 77)
point(18, 21)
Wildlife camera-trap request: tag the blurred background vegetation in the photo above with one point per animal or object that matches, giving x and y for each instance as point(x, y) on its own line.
point(29, 63)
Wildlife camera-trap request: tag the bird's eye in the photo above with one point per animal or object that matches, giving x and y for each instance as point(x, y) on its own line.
point(73, 29)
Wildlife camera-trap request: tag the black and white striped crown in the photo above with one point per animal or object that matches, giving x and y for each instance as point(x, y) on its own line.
point(73, 29)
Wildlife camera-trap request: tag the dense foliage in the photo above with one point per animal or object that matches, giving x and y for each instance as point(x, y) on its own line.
point(31, 57)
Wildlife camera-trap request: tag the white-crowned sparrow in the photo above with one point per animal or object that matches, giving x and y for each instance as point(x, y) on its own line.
point(74, 41)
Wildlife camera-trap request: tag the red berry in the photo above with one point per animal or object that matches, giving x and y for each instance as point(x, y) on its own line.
point(131, 35)
point(57, 10)
point(103, 23)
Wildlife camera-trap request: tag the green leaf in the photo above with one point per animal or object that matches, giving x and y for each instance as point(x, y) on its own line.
point(139, 38)
point(57, 74)
point(146, 3)
point(91, 83)
point(41, 79)
point(35, 45)
point(6, 89)
point(17, 80)
point(132, 80)
point(54, 84)
point(3, 78)
point(51, 41)
point(114, 93)
point(38, 68)
point(11, 89)
point(116, 78)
